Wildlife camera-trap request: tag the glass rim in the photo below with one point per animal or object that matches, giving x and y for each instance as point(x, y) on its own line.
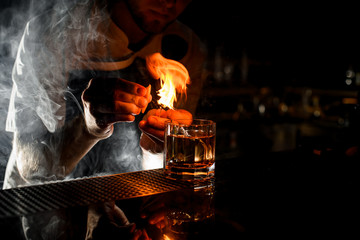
point(201, 122)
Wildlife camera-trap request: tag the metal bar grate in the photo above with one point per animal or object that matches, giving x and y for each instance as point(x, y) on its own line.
point(77, 192)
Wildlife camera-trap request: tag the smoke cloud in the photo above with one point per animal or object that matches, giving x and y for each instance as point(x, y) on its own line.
point(13, 16)
point(38, 99)
point(22, 24)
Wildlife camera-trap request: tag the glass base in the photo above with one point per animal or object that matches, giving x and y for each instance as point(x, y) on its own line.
point(190, 174)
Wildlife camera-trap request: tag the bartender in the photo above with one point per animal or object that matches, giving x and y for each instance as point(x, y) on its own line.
point(80, 103)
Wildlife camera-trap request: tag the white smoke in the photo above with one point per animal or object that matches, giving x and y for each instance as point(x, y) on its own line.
point(74, 32)
point(13, 16)
point(21, 62)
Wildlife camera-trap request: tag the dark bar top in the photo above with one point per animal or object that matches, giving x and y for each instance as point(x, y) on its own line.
point(293, 193)
point(79, 192)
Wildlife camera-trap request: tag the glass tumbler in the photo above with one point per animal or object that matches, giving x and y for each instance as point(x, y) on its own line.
point(190, 149)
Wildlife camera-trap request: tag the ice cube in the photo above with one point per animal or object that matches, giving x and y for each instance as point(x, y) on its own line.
point(180, 157)
point(185, 132)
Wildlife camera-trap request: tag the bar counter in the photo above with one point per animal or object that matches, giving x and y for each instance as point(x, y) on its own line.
point(290, 194)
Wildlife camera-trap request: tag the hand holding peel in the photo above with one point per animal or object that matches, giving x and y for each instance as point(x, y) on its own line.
point(153, 123)
point(107, 101)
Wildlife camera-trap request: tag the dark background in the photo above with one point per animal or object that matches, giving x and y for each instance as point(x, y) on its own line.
point(285, 99)
point(279, 75)
point(302, 44)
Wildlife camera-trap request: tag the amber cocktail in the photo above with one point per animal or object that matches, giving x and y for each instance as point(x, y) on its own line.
point(190, 149)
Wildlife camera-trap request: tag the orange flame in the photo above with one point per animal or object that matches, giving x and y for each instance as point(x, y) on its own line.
point(166, 237)
point(173, 78)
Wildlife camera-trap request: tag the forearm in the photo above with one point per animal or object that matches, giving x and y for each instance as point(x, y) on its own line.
point(54, 155)
point(77, 142)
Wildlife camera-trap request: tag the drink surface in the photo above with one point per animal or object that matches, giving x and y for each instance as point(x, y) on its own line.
point(190, 152)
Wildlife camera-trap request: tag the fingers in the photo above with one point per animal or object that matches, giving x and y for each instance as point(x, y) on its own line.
point(158, 218)
point(151, 131)
point(155, 112)
point(111, 100)
point(141, 234)
point(140, 101)
point(180, 115)
point(157, 118)
point(153, 123)
point(155, 215)
point(148, 97)
point(157, 122)
point(126, 100)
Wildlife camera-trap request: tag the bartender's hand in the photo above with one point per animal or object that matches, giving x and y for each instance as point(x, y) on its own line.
point(153, 126)
point(110, 100)
point(154, 210)
point(107, 221)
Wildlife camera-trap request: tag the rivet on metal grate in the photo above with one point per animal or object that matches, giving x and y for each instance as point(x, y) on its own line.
point(79, 192)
